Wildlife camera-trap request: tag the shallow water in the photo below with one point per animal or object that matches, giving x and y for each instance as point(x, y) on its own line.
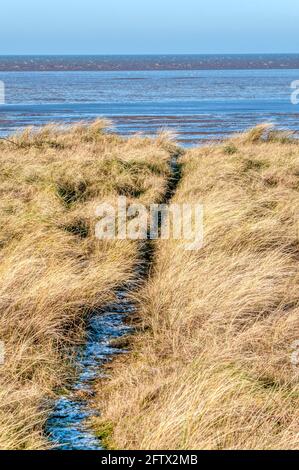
point(198, 105)
point(68, 426)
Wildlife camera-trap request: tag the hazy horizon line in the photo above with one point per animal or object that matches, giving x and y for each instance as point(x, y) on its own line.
point(150, 54)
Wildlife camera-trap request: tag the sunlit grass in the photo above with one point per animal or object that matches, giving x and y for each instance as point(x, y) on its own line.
point(53, 270)
point(211, 368)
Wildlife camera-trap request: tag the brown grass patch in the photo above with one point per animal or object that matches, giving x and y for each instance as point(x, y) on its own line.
point(212, 368)
point(53, 270)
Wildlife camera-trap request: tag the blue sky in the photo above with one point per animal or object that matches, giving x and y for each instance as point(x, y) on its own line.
point(148, 26)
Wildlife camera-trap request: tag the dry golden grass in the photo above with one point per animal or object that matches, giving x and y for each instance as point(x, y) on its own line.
point(212, 368)
point(53, 270)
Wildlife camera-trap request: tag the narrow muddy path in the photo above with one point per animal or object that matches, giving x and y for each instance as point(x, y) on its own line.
point(68, 427)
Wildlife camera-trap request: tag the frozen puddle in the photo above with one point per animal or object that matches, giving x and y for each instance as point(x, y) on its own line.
point(68, 426)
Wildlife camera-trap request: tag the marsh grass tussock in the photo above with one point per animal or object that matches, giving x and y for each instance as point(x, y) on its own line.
point(53, 271)
point(211, 367)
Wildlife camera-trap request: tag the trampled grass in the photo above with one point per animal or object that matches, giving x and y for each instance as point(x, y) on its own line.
point(211, 367)
point(53, 270)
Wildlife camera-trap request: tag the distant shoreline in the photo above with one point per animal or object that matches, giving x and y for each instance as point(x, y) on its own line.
point(55, 63)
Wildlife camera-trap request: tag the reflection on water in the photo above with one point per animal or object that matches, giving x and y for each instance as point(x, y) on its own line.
point(68, 426)
point(197, 104)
